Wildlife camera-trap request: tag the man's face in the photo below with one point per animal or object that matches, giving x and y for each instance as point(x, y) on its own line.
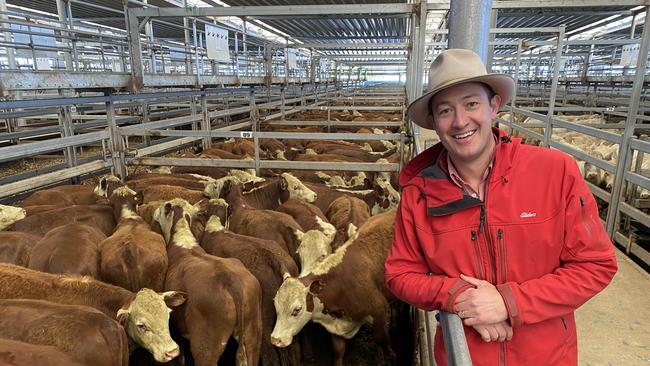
point(463, 117)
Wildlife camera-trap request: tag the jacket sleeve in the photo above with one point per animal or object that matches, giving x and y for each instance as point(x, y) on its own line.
point(587, 262)
point(407, 273)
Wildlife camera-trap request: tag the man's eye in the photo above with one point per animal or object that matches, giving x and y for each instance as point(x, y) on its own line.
point(472, 104)
point(444, 111)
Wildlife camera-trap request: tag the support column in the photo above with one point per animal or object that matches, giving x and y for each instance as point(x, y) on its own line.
point(148, 31)
point(312, 67)
point(469, 25)
point(135, 52)
point(62, 10)
point(624, 152)
point(491, 37)
point(188, 41)
point(268, 62)
point(205, 121)
point(67, 129)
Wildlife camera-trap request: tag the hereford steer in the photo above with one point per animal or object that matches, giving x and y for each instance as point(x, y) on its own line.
point(271, 194)
point(133, 257)
point(69, 249)
point(166, 192)
point(338, 295)
point(14, 353)
point(84, 333)
point(263, 224)
point(265, 259)
point(98, 216)
point(144, 315)
point(224, 299)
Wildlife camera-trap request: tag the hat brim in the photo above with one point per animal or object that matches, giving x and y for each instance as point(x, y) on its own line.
point(419, 110)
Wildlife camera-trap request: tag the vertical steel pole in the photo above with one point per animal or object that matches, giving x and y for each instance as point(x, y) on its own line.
point(469, 25)
point(548, 131)
point(624, 153)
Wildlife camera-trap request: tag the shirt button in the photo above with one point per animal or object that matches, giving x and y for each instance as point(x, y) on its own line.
point(474, 195)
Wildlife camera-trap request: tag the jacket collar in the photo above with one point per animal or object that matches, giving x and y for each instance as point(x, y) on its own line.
point(442, 196)
point(505, 150)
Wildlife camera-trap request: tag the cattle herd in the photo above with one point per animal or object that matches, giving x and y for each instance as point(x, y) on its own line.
point(203, 266)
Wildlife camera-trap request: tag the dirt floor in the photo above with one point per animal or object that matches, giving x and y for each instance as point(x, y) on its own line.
point(614, 326)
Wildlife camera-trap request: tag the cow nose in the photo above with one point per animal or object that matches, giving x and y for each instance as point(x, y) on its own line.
point(276, 342)
point(172, 354)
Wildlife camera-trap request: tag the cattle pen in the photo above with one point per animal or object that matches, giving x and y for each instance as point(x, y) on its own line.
point(280, 128)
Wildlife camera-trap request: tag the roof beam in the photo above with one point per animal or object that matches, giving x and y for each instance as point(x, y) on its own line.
point(330, 46)
point(508, 4)
point(284, 11)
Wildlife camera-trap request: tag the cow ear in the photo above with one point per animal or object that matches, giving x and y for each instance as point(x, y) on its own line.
point(367, 182)
point(379, 190)
point(317, 286)
point(283, 184)
point(103, 183)
point(167, 208)
point(225, 189)
point(122, 316)
point(202, 205)
point(174, 298)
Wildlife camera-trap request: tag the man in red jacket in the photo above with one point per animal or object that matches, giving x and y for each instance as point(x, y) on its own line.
point(505, 235)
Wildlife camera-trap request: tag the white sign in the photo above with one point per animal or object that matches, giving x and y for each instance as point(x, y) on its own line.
point(291, 58)
point(629, 55)
point(43, 63)
point(216, 40)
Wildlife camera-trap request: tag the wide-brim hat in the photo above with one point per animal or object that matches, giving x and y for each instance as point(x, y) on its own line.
point(453, 67)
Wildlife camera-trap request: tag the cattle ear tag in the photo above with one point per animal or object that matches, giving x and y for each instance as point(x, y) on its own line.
point(122, 316)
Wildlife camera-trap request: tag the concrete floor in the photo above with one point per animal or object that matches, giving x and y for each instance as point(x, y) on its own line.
point(614, 326)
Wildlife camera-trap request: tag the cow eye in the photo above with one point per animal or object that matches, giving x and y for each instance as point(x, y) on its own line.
point(295, 187)
point(296, 311)
point(142, 327)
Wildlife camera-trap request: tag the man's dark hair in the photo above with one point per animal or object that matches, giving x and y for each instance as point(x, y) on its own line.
point(490, 93)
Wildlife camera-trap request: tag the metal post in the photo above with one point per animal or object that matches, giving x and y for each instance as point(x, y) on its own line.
point(268, 61)
point(117, 145)
point(623, 160)
point(312, 67)
point(548, 131)
point(282, 97)
point(7, 36)
point(75, 57)
point(135, 52)
point(67, 129)
point(186, 33)
point(62, 10)
point(205, 121)
point(145, 118)
point(420, 39)
point(196, 50)
point(491, 36)
point(148, 31)
point(469, 25)
point(455, 342)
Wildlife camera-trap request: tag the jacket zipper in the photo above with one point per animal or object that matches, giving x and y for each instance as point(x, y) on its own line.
point(502, 256)
point(585, 222)
point(477, 249)
point(491, 251)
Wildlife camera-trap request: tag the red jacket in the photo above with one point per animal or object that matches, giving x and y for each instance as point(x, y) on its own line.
point(537, 237)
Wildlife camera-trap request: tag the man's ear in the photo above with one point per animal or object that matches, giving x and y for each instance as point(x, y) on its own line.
point(495, 103)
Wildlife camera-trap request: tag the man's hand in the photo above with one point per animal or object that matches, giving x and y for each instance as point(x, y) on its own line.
point(480, 305)
point(501, 331)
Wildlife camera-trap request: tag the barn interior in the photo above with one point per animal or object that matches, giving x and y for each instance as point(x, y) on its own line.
point(135, 87)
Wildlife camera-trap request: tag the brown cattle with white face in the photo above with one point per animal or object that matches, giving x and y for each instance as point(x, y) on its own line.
point(263, 224)
point(265, 259)
point(84, 333)
point(14, 353)
point(133, 257)
point(224, 298)
point(69, 249)
point(270, 195)
point(144, 315)
point(337, 295)
point(98, 216)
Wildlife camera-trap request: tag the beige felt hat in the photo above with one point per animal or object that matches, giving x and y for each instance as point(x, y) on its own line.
point(453, 67)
